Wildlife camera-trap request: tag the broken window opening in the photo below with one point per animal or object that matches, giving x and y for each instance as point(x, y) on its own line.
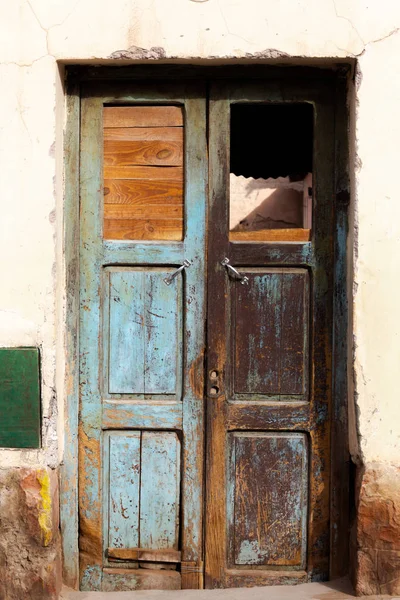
point(271, 158)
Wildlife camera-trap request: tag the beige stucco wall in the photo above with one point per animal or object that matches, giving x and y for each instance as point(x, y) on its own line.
point(35, 34)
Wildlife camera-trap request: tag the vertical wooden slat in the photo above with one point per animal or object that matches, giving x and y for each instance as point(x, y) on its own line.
point(217, 314)
point(90, 502)
point(340, 500)
point(163, 347)
point(123, 492)
point(127, 332)
point(321, 340)
point(294, 365)
point(69, 467)
point(159, 490)
point(194, 310)
point(258, 334)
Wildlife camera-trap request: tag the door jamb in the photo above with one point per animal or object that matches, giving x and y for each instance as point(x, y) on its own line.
point(340, 443)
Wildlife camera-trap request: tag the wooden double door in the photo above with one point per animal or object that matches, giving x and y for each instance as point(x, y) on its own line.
point(205, 351)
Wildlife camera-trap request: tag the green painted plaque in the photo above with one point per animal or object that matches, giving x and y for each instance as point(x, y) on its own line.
point(19, 398)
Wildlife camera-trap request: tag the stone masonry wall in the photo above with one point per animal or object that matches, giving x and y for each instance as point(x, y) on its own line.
point(30, 557)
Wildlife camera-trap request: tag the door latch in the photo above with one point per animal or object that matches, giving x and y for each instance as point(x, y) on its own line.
point(169, 279)
point(231, 270)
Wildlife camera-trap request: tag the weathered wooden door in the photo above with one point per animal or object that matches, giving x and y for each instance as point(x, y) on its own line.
point(143, 200)
point(269, 362)
point(151, 400)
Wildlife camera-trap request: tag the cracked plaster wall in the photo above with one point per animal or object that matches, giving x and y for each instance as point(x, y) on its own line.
point(35, 34)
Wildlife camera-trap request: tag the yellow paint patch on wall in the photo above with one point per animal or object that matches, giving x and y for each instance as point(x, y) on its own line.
point(45, 520)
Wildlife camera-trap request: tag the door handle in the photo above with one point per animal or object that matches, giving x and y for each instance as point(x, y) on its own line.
point(169, 279)
point(231, 270)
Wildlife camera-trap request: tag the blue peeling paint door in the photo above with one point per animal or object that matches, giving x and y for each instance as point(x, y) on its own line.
point(142, 214)
point(149, 402)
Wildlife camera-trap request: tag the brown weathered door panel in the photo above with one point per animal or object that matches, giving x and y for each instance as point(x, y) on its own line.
point(269, 367)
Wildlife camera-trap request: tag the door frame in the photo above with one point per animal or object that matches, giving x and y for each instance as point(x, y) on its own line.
point(76, 75)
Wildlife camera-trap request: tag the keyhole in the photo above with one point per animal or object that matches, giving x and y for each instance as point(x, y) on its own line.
point(214, 390)
point(213, 374)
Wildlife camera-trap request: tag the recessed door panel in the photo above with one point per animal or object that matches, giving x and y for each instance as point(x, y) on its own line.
point(268, 511)
point(142, 495)
point(145, 332)
point(271, 333)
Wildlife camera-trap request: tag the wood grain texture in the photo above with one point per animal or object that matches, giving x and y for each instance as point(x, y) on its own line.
point(143, 172)
point(157, 153)
point(145, 229)
point(269, 512)
point(143, 116)
point(271, 235)
point(143, 192)
point(129, 134)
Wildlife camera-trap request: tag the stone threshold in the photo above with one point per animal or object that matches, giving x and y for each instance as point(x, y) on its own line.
point(340, 589)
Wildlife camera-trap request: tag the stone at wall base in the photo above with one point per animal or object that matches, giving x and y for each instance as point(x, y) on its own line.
point(30, 554)
point(377, 545)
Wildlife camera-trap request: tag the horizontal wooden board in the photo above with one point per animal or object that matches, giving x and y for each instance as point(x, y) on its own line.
point(143, 211)
point(271, 235)
point(143, 172)
point(140, 579)
point(124, 191)
point(132, 134)
point(145, 229)
point(143, 116)
point(143, 153)
point(145, 555)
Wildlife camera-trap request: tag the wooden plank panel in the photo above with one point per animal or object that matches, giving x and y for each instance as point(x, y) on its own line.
point(269, 474)
point(143, 172)
point(142, 192)
point(159, 493)
point(142, 116)
point(124, 482)
point(140, 211)
point(257, 333)
point(163, 335)
point(126, 334)
point(271, 235)
point(159, 153)
point(126, 134)
point(146, 229)
point(294, 332)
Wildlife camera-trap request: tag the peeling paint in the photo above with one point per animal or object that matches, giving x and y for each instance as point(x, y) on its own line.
point(45, 520)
